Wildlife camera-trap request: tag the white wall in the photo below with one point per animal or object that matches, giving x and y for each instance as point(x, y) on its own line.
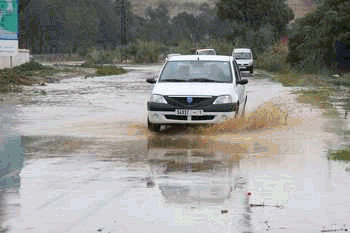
point(10, 60)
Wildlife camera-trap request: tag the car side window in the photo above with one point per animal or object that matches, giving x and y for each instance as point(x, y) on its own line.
point(236, 70)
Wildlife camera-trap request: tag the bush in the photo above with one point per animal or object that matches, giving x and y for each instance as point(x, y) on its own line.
point(31, 66)
point(109, 70)
point(273, 60)
point(147, 51)
point(222, 47)
point(10, 79)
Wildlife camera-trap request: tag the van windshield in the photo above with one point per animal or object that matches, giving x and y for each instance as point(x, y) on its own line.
point(243, 56)
point(197, 71)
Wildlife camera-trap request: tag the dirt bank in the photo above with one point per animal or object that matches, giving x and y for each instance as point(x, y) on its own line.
point(65, 71)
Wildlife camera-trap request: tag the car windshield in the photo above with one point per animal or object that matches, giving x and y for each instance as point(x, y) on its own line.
point(197, 71)
point(243, 56)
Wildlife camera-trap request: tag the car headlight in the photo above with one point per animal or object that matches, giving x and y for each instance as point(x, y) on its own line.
point(158, 99)
point(224, 99)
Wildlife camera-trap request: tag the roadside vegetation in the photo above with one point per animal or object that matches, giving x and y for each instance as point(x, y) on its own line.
point(343, 154)
point(109, 70)
point(12, 79)
point(33, 72)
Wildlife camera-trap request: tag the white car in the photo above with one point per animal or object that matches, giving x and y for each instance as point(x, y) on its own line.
point(196, 89)
point(244, 58)
point(206, 52)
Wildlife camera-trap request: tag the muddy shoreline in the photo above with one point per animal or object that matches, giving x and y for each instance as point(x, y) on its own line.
point(25, 93)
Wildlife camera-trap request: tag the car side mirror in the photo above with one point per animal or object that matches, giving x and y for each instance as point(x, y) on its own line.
point(151, 80)
point(243, 81)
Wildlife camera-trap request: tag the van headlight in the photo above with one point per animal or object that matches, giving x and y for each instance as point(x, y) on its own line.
point(224, 99)
point(158, 99)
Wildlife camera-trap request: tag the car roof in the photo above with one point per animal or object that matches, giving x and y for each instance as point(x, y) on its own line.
point(200, 58)
point(205, 49)
point(242, 50)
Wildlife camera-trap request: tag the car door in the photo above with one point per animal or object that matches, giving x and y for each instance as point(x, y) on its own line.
point(241, 91)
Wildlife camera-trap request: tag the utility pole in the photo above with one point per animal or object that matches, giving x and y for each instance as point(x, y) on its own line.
point(123, 23)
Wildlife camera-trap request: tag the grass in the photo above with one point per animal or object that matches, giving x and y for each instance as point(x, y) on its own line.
point(339, 154)
point(319, 97)
point(109, 70)
point(293, 79)
point(11, 80)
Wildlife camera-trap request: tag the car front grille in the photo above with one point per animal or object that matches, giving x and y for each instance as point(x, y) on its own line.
point(175, 117)
point(193, 118)
point(197, 102)
point(202, 118)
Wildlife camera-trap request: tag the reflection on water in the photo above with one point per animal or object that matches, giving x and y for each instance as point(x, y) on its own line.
point(11, 163)
point(200, 172)
point(193, 154)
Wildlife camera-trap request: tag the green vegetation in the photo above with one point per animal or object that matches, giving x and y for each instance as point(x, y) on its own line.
point(31, 66)
point(9, 80)
point(317, 40)
point(339, 154)
point(274, 60)
point(35, 69)
point(109, 70)
point(52, 26)
point(12, 79)
point(318, 97)
point(31, 73)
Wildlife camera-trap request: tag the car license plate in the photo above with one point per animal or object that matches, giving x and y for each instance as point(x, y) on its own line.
point(188, 112)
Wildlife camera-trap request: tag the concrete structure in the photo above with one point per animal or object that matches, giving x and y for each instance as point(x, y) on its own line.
point(10, 55)
point(9, 60)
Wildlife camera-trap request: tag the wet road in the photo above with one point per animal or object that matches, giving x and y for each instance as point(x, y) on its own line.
point(85, 162)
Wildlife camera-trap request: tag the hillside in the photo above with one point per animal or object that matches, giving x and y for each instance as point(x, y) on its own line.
point(299, 7)
point(175, 6)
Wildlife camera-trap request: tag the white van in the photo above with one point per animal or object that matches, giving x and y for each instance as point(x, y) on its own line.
point(196, 89)
point(244, 59)
point(206, 52)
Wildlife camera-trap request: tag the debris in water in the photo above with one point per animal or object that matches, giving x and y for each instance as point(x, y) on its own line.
point(149, 182)
point(263, 205)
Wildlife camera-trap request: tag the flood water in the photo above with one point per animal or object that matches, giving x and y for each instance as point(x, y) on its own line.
point(82, 160)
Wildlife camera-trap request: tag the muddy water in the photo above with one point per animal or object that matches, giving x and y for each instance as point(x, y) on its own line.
point(90, 165)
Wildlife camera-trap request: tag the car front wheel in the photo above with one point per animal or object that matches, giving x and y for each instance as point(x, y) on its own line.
point(153, 127)
point(251, 69)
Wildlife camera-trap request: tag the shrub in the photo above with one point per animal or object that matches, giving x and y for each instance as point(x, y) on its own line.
point(273, 60)
point(31, 66)
point(109, 70)
point(147, 51)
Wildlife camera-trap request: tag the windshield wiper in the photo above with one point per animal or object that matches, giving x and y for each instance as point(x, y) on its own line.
point(201, 80)
point(173, 80)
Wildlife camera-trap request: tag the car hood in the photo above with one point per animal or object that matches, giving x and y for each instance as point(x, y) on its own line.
point(193, 89)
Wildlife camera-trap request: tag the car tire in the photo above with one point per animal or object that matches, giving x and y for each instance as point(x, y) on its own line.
point(153, 127)
point(236, 112)
point(251, 69)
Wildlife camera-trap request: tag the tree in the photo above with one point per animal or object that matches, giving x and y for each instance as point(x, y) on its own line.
point(319, 37)
point(157, 26)
point(256, 13)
